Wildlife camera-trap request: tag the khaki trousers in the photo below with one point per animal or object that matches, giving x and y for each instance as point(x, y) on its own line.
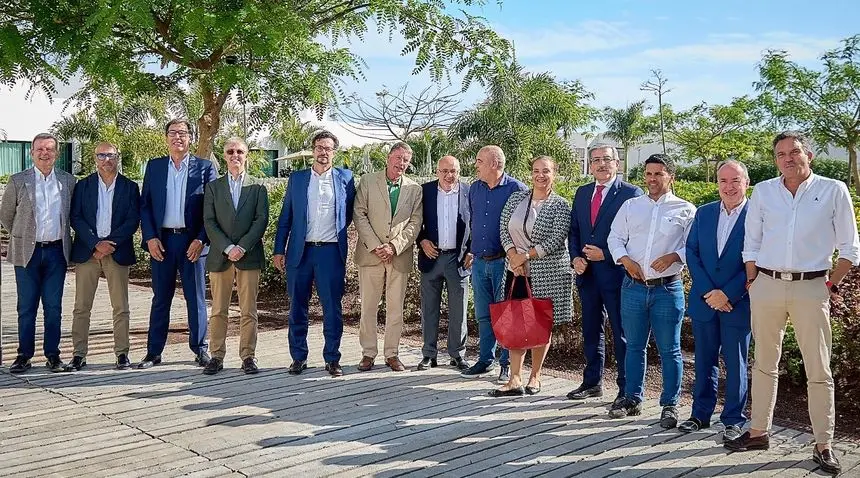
point(807, 303)
point(372, 282)
point(86, 283)
point(247, 286)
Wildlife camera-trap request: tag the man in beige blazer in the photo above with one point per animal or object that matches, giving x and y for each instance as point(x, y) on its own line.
point(388, 218)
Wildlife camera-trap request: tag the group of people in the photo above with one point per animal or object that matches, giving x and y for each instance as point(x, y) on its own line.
point(753, 262)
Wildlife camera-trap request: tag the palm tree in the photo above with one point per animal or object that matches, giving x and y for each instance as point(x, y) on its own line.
point(626, 126)
point(294, 134)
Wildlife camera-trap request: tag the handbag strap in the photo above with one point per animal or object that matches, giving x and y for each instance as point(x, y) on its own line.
point(526, 218)
point(514, 282)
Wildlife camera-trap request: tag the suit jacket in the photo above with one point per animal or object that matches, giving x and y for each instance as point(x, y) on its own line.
point(430, 224)
point(376, 226)
point(125, 218)
point(243, 225)
point(293, 221)
point(153, 198)
point(606, 273)
point(17, 214)
point(710, 271)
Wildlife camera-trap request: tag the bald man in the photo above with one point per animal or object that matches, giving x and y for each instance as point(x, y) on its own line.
point(444, 260)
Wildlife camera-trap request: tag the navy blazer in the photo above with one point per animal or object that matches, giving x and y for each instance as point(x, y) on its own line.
point(710, 271)
point(154, 196)
point(430, 225)
point(125, 217)
point(607, 273)
point(293, 221)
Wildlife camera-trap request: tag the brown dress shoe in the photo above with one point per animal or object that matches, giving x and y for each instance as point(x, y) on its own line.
point(746, 443)
point(395, 364)
point(365, 364)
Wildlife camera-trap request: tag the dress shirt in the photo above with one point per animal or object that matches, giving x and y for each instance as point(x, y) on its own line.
point(646, 230)
point(48, 203)
point(608, 186)
point(177, 183)
point(521, 227)
point(105, 208)
point(487, 205)
point(726, 223)
point(322, 221)
point(447, 208)
point(235, 188)
point(799, 233)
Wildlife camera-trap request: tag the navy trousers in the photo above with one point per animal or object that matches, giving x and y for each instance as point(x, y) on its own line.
point(714, 338)
point(597, 305)
point(42, 279)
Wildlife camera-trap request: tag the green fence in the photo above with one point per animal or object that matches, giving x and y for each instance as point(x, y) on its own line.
point(15, 157)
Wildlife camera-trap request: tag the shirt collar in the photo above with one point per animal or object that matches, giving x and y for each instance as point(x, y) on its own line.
point(50, 177)
point(325, 175)
point(105, 186)
point(736, 210)
point(182, 164)
point(453, 190)
point(663, 199)
point(393, 184)
point(240, 180)
point(608, 184)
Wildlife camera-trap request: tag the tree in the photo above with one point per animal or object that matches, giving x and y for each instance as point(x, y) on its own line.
point(283, 55)
point(628, 126)
point(658, 86)
point(826, 102)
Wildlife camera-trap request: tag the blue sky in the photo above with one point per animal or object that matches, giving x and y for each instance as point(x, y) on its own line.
point(707, 50)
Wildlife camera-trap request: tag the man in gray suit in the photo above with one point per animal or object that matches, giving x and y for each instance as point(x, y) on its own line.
point(35, 211)
point(444, 260)
point(235, 215)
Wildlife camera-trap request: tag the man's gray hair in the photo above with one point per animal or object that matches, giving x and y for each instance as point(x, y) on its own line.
point(602, 146)
point(236, 140)
point(400, 145)
point(43, 136)
point(107, 144)
point(740, 165)
point(497, 154)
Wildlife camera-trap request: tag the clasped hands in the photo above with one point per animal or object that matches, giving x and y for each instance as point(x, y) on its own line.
point(385, 252)
point(156, 249)
point(104, 248)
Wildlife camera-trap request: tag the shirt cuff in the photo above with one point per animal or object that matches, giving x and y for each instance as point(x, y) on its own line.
point(229, 248)
point(617, 254)
point(540, 251)
point(749, 256)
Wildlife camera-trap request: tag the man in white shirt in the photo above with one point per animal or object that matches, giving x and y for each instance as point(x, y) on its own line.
point(647, 238)
point(35, 212)
point(794, 224)
point(444, 260)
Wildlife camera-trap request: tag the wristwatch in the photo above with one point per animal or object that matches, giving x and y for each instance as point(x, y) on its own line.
point(833, 287)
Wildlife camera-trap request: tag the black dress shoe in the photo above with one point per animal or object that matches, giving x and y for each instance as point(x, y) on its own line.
point(20, 365)
point(78, 363)
point(584, 392)
point(149, 361)
point(511, 392)
point(426, 363)
point(692, 424)
point(533, 390)
point(746, 442)
point(826, 460)
point(202, 358)
point(214, 366)
point(249, 366)
point(122, 362)
point(461, 364)
point(297, 367)
point(55, 365)
point(334, 369)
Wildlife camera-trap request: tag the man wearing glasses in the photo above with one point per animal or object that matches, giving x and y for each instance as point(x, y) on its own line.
point(598, 277)
point(311, 246)
point(105, 215)
point(171, 222)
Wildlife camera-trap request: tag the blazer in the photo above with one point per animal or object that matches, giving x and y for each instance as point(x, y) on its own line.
point(606, 273)
point(154, 196)
point(243, 225)
point(376, 225)
point(17, 214)
point(710, 271)
point(430, 224)
point(293, 220)
point(125, 218)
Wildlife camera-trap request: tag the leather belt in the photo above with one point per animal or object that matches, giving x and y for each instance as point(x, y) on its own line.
point(492, 257)
point(319, 244)
point(792, 276)
point(174, 230)
point(657, 281)
point(446, 251)
point(58, 242)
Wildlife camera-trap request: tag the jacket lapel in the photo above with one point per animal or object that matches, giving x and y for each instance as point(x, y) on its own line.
point(383, 190)
point(339, 192)
point(736, 229)
point(611, 195)
point(244, 192)
point(30, 184)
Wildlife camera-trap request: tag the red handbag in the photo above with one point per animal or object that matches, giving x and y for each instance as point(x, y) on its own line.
point(522, 323)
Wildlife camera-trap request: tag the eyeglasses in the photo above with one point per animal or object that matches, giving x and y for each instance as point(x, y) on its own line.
point(177, 134)
point(231, 152)
point(447, 171)
point(106, 156)
point(323, 149)
point(605, 159)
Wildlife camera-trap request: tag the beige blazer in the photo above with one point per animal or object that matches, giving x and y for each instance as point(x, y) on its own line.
point(376, 226)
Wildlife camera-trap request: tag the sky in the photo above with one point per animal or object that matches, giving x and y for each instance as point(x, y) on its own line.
point(707, 50)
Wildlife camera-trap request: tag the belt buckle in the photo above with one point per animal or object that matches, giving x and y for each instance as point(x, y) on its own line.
point(787, 276)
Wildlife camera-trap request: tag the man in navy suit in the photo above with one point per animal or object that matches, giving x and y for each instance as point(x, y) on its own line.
point(444, 260)
point(105, 215)
point(312, 233)
point(171, 220)
point(598, 277)
point(718, 303)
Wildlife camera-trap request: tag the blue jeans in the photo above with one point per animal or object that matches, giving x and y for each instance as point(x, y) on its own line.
point(660, 308)
point(42, 279)
point(488, 283)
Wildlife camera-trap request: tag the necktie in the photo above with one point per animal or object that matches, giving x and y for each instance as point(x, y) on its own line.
point(595, 202)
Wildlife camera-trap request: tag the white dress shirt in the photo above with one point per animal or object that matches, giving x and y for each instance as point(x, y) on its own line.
point(646, 230)
point(48, 204)
point(104, 212)
point(235, 188)
point(799, 233)
point(177, 183)
point(606, 189)
point(322, 220)
point(726, 223)
point(447, 207)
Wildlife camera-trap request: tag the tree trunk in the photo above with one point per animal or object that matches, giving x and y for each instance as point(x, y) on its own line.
point(626, 163)
point(853, 170)
point(210, 122)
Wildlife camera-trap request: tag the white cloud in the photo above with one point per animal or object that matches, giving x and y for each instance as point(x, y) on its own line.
point(584, 37)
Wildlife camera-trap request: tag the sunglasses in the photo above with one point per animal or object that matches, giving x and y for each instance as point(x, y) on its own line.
point(234, 151)
point(106, 156)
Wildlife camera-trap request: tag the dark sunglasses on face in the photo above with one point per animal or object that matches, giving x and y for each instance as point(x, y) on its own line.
point(234, 151)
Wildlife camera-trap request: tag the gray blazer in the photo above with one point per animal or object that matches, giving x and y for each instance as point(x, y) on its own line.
point(18, 217)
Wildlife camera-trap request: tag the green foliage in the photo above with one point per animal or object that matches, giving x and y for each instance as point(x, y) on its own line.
point(627, 126)
point(270, 278)
point(428, 147)
point(761, 169)
point(698, 193)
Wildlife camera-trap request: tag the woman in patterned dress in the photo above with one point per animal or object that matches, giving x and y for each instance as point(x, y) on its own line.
point(534, 230)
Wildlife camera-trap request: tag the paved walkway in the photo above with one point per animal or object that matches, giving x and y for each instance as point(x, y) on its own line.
point(173, 421)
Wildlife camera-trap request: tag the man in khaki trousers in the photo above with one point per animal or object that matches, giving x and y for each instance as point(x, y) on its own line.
point(388, 217)
point(105, 214)
point(793, 225)
point(235, 215)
